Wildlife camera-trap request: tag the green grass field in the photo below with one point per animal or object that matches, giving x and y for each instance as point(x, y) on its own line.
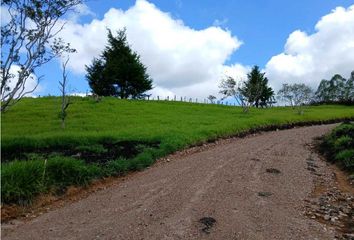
point(34, 124)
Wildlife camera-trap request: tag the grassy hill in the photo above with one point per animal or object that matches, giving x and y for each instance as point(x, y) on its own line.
point(114, 136)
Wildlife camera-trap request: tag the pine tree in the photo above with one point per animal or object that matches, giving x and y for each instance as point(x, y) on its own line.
point(256, 89)
point(119, 71)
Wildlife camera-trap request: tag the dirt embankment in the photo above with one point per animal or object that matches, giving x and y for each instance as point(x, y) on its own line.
point(257, 187)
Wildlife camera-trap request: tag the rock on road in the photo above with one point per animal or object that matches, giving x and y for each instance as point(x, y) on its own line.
point(228, 183)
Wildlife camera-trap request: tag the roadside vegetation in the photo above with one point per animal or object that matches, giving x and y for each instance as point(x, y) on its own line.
point(338, 147)
point(112, 137)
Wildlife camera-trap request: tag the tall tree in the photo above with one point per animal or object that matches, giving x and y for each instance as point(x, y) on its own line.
point(256, 88)
point(349, 88)
point(28, 40)
point(119, 71)
point(337, 89)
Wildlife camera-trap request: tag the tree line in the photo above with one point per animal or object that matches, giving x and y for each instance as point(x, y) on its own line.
point(255, 92)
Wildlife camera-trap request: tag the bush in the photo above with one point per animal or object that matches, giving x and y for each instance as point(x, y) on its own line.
point(338, 146)
point(343, 129)
point(346, 158)
point(21, 180)
point(342, 143)
point(62, 172)
point(117, 167)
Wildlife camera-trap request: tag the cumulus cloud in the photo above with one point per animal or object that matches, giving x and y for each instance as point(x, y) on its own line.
point(79, 11)
point(5, 15)
point(181, 60)
point(308, 58)
point(28, 87)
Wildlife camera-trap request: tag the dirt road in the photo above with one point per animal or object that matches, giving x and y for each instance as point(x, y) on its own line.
point(249, 188)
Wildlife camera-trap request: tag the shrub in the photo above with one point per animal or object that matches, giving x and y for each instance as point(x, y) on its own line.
point(342, 143)
point(344, 129)
point(117, 167)
point(21, 180)
point(346, 158)
point(338, 146)
point(62, 172)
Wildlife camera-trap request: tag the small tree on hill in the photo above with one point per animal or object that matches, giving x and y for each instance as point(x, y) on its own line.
point(63, 87)
point(230, 88)
point(256, 89)
point(211, 98)
point(118, 72)
point(296, 95)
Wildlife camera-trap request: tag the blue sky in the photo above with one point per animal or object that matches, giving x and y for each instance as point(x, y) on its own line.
point(263, 27)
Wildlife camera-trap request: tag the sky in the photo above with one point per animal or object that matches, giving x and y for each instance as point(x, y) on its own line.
point(189, 46)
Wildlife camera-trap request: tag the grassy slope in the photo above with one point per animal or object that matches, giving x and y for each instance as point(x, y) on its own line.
point(35, 122)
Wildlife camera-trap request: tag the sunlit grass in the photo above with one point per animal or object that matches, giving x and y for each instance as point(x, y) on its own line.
point(34, 124)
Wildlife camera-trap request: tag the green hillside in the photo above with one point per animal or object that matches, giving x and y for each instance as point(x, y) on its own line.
point(113, 136)
point(35, 122)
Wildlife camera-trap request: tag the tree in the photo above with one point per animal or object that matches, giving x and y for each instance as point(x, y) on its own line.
point(28, 40)
point(296, 95)
point(211, 98)
point(337, 89)
point(65, 101)
point(230, 88)
point(349, 88)
point(256, 89)
point(118, 72)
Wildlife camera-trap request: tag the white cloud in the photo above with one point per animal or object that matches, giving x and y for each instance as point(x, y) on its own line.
point(310, 58)
point(78, 94)
point(79, 11)
point(5, 15)
point(237, 71)
point(181, 60)
point(31, 83)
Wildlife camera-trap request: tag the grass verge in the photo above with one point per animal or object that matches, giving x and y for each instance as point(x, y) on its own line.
point(338, 146)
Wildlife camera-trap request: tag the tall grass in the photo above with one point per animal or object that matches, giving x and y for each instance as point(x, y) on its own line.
point(338, 146)
point(22, 180)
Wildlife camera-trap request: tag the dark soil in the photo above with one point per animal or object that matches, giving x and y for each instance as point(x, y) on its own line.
point(264, 194)
point(106, 152)
point(273, 171)
point(208, 223)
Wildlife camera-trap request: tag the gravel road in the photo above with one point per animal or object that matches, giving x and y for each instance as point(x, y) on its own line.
point(246, 188)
